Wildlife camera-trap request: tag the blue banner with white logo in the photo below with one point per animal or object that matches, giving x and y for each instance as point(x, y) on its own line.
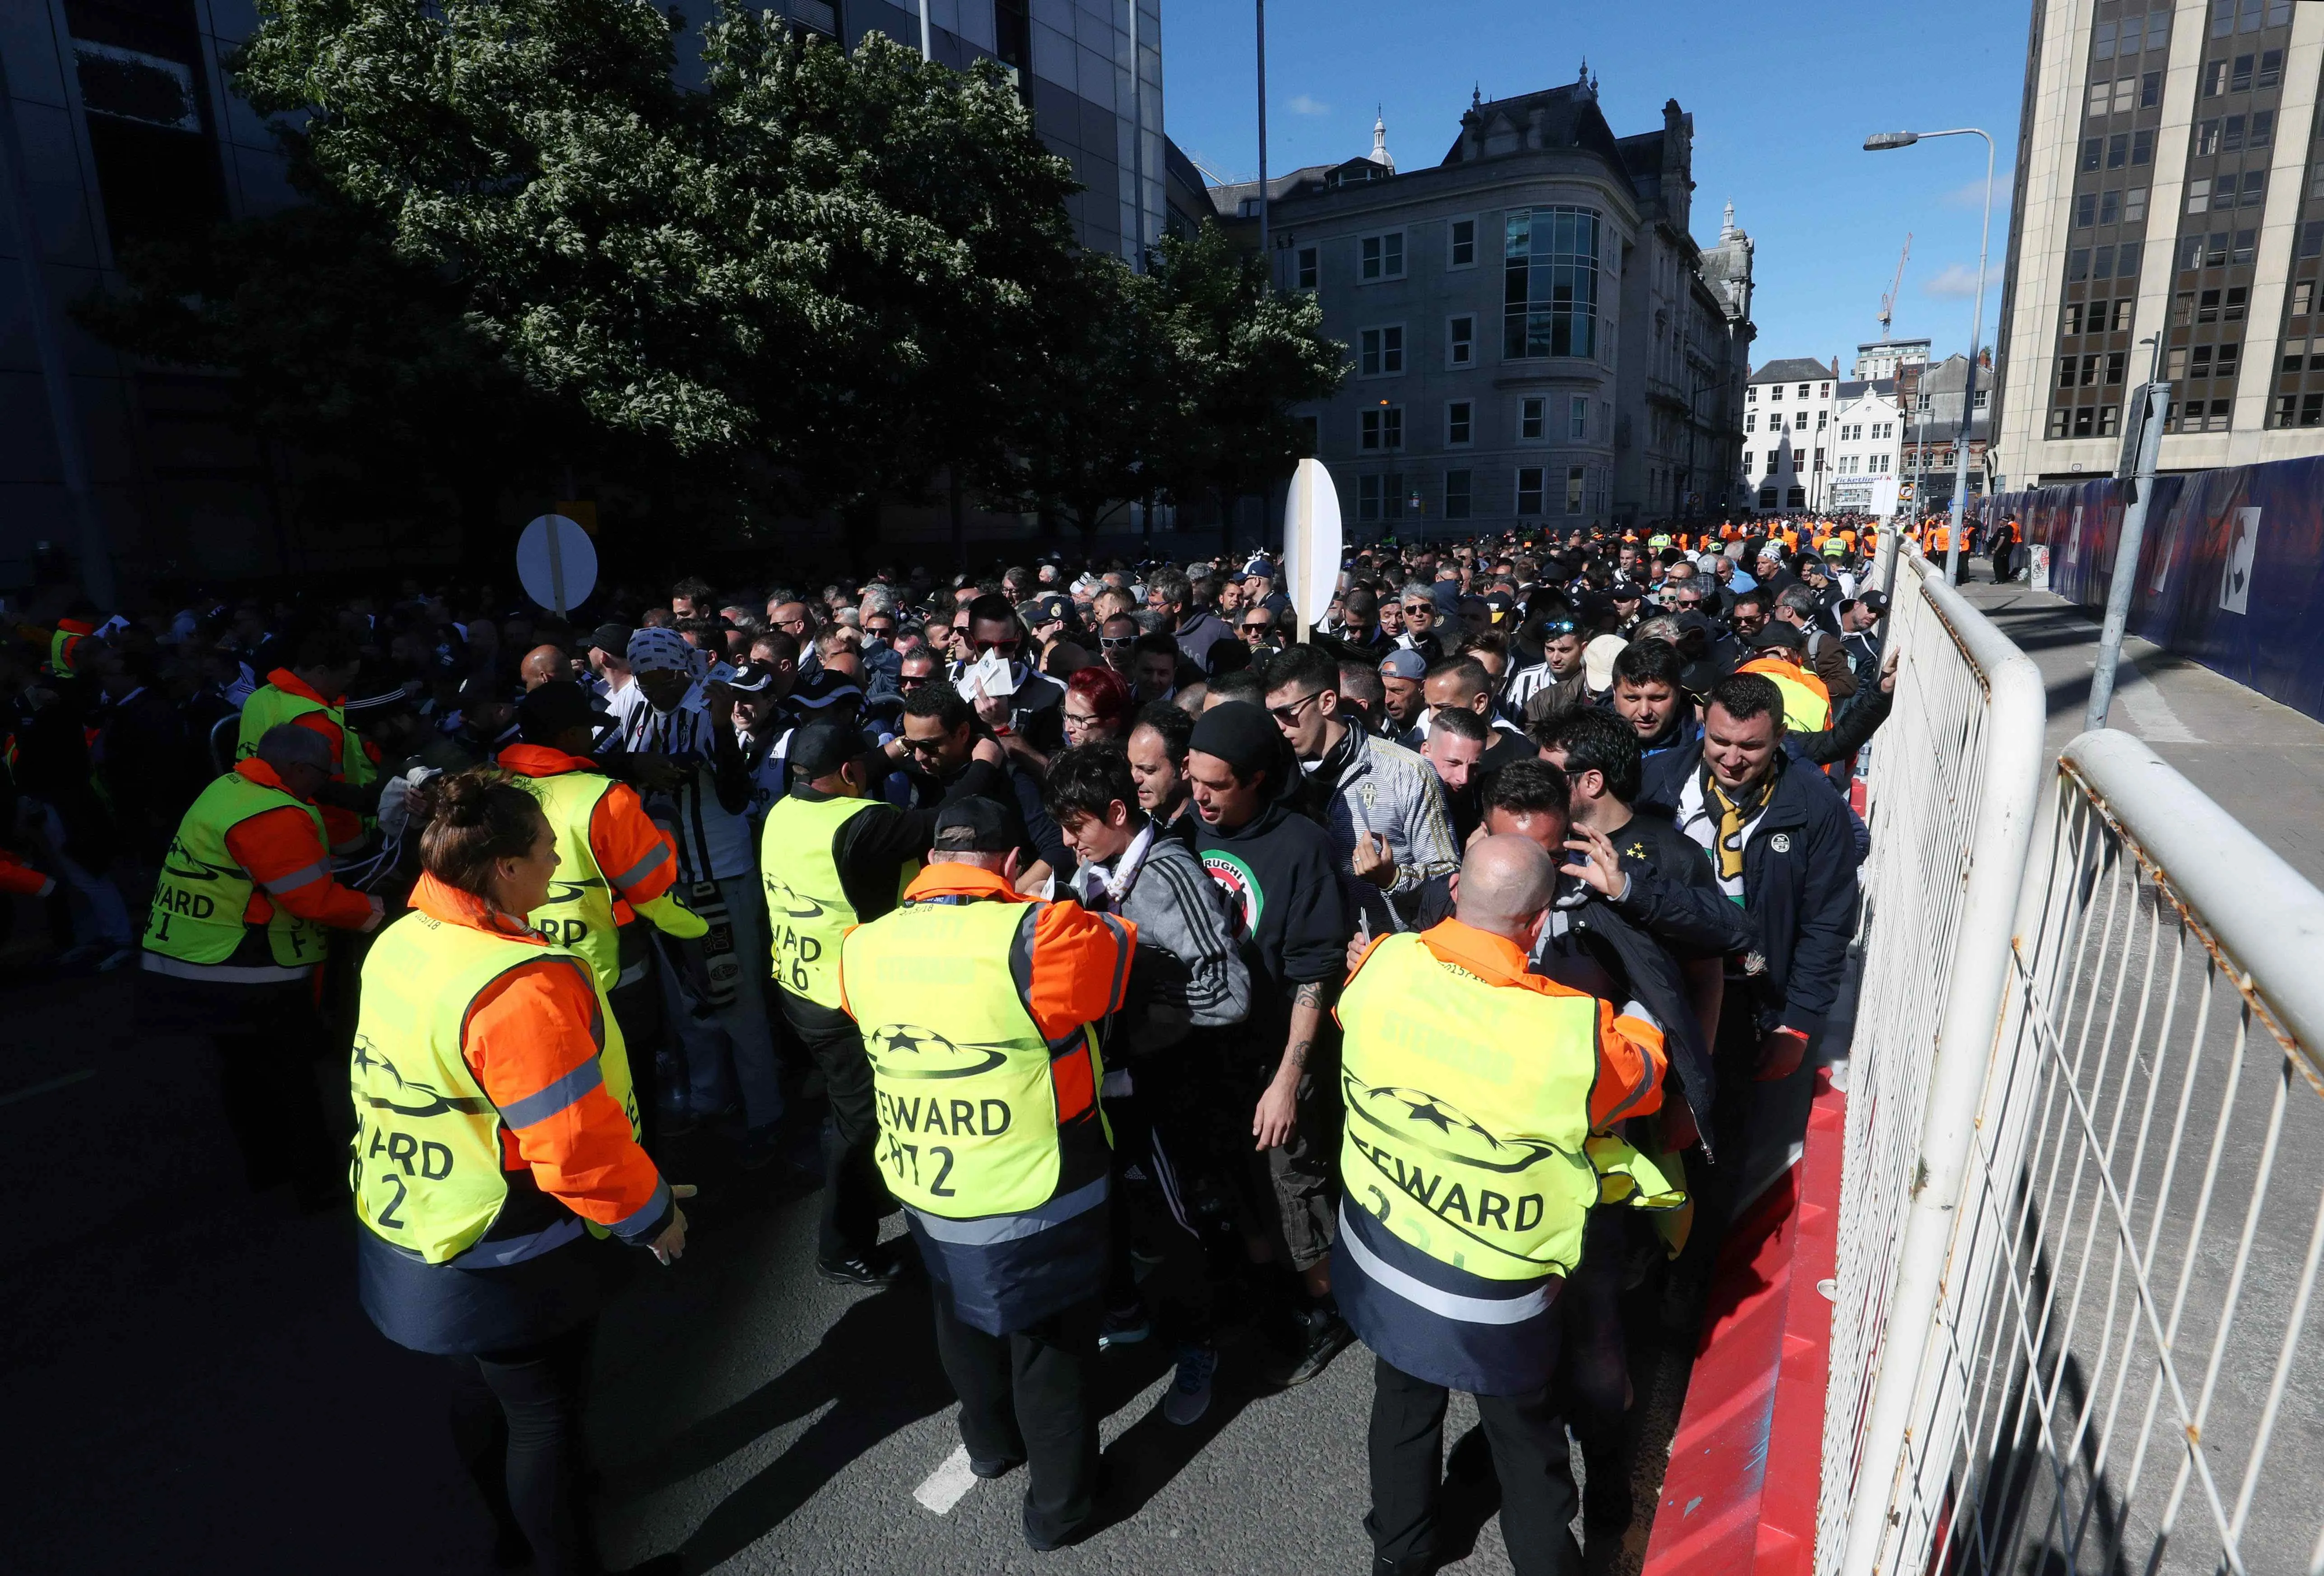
point(2231, 572)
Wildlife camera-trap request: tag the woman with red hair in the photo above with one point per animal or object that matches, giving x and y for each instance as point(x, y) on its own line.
point(1097, 706)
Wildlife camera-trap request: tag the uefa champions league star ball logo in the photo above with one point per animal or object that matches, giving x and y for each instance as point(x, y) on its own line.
point(909, 1050)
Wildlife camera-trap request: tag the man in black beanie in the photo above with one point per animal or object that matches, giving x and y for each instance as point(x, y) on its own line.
point(1277, 867)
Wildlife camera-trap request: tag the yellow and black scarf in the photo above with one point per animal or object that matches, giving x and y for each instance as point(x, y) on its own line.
point(1735, 816)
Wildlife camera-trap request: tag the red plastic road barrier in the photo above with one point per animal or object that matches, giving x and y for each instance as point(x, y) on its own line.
point(1757, 1391)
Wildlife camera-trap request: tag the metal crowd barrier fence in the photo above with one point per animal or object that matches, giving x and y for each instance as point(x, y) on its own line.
point(2083, 1211)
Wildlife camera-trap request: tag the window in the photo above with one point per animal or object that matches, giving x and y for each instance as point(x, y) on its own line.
point(2312, 239)
point(2232, 137)
point(2058, 419)
point(1309, 440)
point(1751, 395)
point(1380, 352)
point(2086, 210)
point(1462, 251)
point(2174, 364)
point(1368, 498)
point(2198, 195)
point(2122, 310)
point(1392, 496)
point(2066, 365)
point(2102, 263)
point(2223, 17)
point(2078, 263)
point(2207, 138)
point(2158, 30)
point(1775, 392)
point(1382, 429)
point(2239, 80)
point(2117, 150)
point(1529, 489)
point(1573, 477)
point(1795, 497)
point(2270, 68)
point(2134, 205)
point(1550, 283)
point(2303, 296)
point(2142, 147)
point(2229, 362)
point(2073, 316)
point(2109, 208)
point(2131, 26)
point(1577, 417)
point(1383, 256)
point(2116, 360)
point(2246, 242)
point(1821, 416)
point(1310, 267)
point(1803, 391)
point(2101, 97)
point(2254, 188)
point(1458, 415)
point(2263, 128)
point(1750, 421)
point(2215, 78)
point(2102, 42)
point(2238, 297)
point(1461, 342)
point(2150, 90)
point(1456, 494)
point(1532, 419)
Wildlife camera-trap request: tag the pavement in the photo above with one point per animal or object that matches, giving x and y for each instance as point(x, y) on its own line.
point(194, 1388)
point(2261, 760)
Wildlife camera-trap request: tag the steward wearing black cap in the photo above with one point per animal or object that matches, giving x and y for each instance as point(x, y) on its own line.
point(615, 867)
point(832, 858)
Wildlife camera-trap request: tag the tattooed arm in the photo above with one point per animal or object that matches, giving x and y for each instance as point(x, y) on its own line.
point(1277, 1116)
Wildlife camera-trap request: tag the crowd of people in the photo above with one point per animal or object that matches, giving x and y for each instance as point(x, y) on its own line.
point(1132, 854)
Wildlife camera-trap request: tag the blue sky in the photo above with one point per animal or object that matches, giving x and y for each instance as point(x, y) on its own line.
point(1783, 96)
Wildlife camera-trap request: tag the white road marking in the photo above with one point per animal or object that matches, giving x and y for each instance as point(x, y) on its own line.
point(947, 1483)
point(67, 1081)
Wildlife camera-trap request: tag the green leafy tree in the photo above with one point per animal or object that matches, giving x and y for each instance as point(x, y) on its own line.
point(1240, 357)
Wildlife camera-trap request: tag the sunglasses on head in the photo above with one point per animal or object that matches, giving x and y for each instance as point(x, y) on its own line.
point(1563, 626)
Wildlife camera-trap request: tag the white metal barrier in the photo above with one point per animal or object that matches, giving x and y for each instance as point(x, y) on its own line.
point(2084, 1209)
point(1955, 776)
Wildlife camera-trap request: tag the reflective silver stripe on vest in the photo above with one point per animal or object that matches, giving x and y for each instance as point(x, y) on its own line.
point(996, 1228)
point(156, 963)
point(1445, 1304)
point(643, 868)
point(498, 1253)
point(297, 878)
point(560, 1094)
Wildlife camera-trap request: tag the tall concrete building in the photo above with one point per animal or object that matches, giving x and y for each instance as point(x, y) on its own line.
point(127, 127)
point(2168, 182)
point(1537, 336)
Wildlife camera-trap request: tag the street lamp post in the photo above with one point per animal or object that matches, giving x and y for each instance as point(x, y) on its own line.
point(1880, 142)
point(1265, 256)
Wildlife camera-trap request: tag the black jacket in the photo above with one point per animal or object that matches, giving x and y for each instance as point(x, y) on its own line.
point(1279, 872)
point(1799, 884)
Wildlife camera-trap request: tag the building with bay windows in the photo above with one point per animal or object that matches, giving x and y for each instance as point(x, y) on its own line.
point(1536, 339)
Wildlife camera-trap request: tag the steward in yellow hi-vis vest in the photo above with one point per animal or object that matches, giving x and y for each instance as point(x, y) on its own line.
point(808, 909)
point(977, 1009)
point(1807, 702)
point(309, 693)
point(1473, 1091)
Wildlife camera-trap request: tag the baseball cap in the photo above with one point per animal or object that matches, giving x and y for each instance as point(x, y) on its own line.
point(1878, 601)
point(1779, 635)
point(1502, 604)
point(820, 749)
point(552, 708)
point(1626, 591)
point(1404, 665)
point(1044, 610)
point(973, 825)
point(752, 677)
point(823, 687)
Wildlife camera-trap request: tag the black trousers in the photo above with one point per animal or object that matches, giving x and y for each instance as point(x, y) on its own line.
point(1025, 1396)
point(854, 1196)
point(637, 1008)
point(1529, 1457)
point(516, 1424)
point(268, 1040)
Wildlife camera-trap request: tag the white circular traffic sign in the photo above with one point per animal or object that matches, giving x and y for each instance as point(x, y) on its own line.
point(556, 563)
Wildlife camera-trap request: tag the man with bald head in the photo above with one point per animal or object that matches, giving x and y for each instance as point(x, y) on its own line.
point(1482, 1108)
point(544, 665)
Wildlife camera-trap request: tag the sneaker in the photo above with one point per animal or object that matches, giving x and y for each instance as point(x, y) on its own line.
point(1123, 1327)
point(998, 1467)
point(875, 1269)
point(757, 1148)
point(1328, 1335)
point(87, 952)
point(119, 959)
point(1190, 1391)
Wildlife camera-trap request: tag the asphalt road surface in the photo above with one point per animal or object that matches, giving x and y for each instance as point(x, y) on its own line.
point(191, 1386)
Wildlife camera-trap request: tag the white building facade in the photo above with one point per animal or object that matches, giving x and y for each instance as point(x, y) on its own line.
point(1867, 447)
point(1788, 411)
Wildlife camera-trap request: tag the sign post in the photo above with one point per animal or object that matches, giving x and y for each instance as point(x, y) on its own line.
point(1311, 543)
point(556, 563)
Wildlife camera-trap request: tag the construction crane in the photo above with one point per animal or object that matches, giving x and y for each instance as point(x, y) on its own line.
point(1888, 301)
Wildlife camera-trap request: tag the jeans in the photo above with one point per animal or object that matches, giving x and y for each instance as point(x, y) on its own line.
point(730, 1050)
point(1529, 1457)
point(516, 1424)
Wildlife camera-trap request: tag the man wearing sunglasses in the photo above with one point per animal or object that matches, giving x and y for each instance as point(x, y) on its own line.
point(1420, 618)
point(1032, 708)
point(1556, 681)
point(1260, 632)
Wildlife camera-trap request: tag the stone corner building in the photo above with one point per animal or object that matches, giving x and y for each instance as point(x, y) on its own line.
point(1535, 336)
